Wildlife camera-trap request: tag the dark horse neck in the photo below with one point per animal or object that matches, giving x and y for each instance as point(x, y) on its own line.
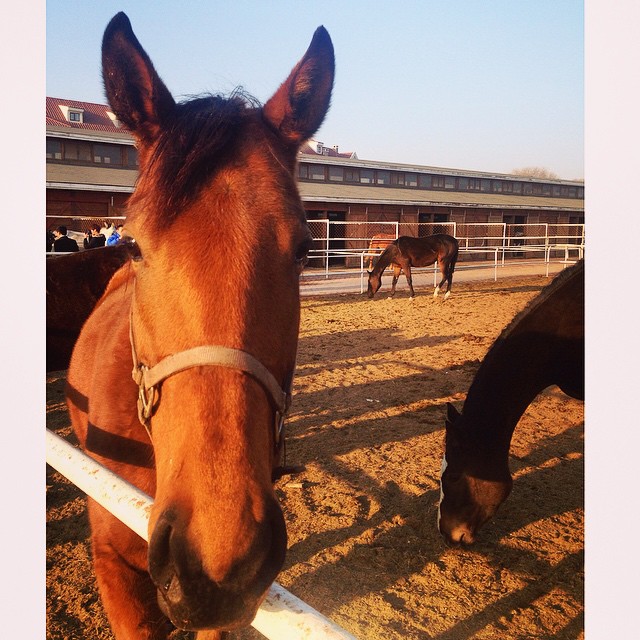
point(503, 389)
point(385, 259)
point(543, 346)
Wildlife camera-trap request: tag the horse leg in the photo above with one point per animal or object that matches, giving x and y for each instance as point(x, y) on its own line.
point(449, 280)
point(407, 274)
point(442, 267)
point(126, 589)
point(394, 281)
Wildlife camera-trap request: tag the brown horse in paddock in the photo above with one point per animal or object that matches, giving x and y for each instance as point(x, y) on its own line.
point(199, 427)
point(542, 346)
point(407, 252)
point(75, 283)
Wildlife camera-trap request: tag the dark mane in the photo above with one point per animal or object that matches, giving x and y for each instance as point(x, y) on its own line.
point(203, 131)
point(548, 290)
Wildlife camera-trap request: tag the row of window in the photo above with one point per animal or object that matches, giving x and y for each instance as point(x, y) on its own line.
point(385, 177)
point(82, 152)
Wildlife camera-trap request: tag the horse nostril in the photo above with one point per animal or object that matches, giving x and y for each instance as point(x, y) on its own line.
point(173, 590)
point(162, 566)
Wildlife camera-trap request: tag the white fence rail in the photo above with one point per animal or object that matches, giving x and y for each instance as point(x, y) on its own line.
point(337, 241)
point(281, 615)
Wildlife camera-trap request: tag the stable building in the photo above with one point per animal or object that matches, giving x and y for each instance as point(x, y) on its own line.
point(92, 167)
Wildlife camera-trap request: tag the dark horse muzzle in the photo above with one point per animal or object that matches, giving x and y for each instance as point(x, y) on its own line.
point(190, 598)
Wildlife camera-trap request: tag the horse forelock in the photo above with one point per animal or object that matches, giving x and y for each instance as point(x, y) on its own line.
point(199, 141)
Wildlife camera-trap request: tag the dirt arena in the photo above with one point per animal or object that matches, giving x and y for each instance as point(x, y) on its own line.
point(367, 422)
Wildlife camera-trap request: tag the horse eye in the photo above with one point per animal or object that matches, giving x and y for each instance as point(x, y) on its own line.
point(301, 256)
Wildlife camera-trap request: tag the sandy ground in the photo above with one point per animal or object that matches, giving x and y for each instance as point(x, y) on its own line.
point(367, 423)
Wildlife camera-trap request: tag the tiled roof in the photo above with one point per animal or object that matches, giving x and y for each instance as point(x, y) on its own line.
point(95, 115)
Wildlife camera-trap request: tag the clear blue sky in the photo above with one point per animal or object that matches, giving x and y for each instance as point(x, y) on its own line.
point(492, 86)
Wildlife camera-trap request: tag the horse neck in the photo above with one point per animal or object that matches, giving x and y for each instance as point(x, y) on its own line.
point(514, 372)
point(384, 260)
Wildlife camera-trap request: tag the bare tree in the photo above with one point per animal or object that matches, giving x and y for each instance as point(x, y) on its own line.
point(535, 172)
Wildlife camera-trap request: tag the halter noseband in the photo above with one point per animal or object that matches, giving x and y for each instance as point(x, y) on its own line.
point(148, 378)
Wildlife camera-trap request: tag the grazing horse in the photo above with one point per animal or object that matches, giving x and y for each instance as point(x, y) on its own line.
point(198, 422)
point(75, 283)
point(542, 346)
point(407, 252)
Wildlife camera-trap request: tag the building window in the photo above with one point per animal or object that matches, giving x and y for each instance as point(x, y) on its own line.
point(449, 182)
point(496, 186)
point(352, 175)
point(527, 189)
point(485, 185)
point(411, 179)
point(424, 181)
point(107, 154)
point(75, 116)
point(54, 149)
point(383, 177)
point(316, 172)
point(303, 171)
point(397, 178)
point(131, 154)
point(336, 174)
point(517, 187)
point(76, 150)
point(437, 182)
point(366, 176)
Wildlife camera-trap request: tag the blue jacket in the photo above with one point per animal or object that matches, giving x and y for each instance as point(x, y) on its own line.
point(113, 238)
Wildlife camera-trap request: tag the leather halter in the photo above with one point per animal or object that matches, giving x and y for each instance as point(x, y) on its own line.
point(149, 378)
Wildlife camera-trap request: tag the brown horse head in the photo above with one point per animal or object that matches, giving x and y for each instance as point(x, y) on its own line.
point(374, 280)
point(469, 494)
point(216, 195)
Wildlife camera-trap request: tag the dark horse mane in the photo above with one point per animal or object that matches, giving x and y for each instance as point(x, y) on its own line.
point(540, 299)
point(202, 131)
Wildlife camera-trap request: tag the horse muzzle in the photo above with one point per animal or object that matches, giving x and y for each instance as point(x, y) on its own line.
point(190, 598)
point(458, 534)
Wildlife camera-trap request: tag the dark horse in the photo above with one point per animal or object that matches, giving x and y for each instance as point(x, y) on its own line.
point(75, 283)
point(198, 423)
point(542, 346)
point(407, 252)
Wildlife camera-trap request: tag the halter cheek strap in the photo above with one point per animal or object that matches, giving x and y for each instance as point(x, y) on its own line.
point(148, 378)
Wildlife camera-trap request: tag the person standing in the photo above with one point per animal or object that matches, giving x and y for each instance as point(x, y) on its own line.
point(107, 229)
point(62, 242)
point(115, 236)
point(94, 238)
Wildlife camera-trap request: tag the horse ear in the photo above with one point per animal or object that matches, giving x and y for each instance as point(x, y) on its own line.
point(299, 106)
point(452, 415)
point(137, 95)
